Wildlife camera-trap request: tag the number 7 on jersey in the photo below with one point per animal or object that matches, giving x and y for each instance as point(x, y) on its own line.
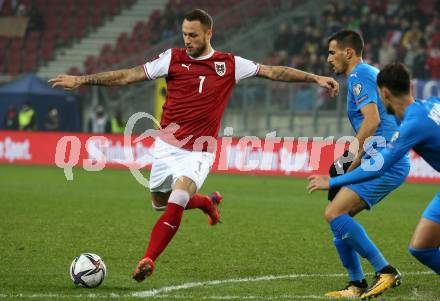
point(202, 79)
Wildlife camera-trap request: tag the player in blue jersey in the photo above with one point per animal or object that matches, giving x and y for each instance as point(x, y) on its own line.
point(419, 130)
point(368, 118)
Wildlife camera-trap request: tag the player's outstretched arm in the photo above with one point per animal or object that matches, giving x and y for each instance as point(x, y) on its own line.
point(287, 74)
point(111, 78)
point(411, 134)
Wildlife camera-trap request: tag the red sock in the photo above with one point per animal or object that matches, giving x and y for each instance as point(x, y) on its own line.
point(200, 201)
point(164, 230)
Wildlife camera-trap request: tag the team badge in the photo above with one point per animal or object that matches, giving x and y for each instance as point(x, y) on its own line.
point(220, 68)
point(357, 89)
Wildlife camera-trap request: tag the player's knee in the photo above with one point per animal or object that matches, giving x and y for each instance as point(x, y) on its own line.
point(179, 197)
point(330, 214)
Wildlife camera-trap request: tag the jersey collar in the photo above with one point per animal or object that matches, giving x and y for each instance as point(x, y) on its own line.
point(356, 68)
point(408, 108)
point(203, 57)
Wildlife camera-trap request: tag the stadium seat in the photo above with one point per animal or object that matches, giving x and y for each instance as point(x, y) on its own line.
point(30, 62)
point(7, 8)
point(144, 34)
point(14, 67)
point(4, 43)
point(63, 21)
point(74, 71)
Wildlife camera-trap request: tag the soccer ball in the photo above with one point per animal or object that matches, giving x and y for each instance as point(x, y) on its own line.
point(87, 270)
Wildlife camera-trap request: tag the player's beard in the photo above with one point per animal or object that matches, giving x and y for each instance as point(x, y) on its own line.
point(342, 69)
point(198, 51)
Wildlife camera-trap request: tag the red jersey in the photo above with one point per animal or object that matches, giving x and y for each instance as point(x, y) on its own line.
point(198, 90)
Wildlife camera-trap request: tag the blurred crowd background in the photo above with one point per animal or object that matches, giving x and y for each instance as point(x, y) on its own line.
point(406, 31)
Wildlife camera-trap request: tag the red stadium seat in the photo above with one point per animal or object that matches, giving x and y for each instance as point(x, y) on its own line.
point(30, 62)
point(80, 30)
point(14, 65)
point(113, 5)
point(47, 52)
point(50, 22)
point(90, 64)
point(64, 37)
point(63, 21)
point(40, 3)
point(16, 43)
point(96, 18)
point(3, 61)
point(7, 8)
point(74, 71)
point(4, 43)
point(32, 46)
point(33, 41)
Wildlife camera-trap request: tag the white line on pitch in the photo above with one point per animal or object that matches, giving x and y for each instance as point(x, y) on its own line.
point(167, 289)
point(155, 293)
point(213, 297)
point(282, 297)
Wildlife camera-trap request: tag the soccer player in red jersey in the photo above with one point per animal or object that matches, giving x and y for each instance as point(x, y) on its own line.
point(199, 84)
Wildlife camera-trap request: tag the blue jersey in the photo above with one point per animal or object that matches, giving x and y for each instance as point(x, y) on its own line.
point(362, 90)
point(419, 130)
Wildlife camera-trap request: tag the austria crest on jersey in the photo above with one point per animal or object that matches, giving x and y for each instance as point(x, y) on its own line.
point(220, 68)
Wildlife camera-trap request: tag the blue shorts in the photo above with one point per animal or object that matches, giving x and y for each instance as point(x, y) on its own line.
point(432, 212)
point(374, 190)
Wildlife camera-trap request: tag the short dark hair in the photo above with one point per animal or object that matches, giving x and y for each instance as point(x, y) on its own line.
point(348, 38)
point(200, 15)
point(396, 78)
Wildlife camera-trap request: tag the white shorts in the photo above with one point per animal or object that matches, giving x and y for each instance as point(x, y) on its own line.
point(171, 162)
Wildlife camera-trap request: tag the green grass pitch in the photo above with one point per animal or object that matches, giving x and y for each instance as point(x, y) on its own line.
point(272, 244)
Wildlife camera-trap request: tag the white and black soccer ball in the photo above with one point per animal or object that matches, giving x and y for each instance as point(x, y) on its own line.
point(88, 270)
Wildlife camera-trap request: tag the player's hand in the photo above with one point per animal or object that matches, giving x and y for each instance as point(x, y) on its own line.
point(330, 84)
point(68, 82)
point(318, 183)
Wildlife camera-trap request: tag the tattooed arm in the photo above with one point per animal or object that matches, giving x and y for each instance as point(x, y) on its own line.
point(111, 78)
point(287, 74)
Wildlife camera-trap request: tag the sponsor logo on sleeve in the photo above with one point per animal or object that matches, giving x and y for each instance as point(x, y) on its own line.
point(365, 97)
point(434, 114)
point(393, 139)
point(395, 136)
